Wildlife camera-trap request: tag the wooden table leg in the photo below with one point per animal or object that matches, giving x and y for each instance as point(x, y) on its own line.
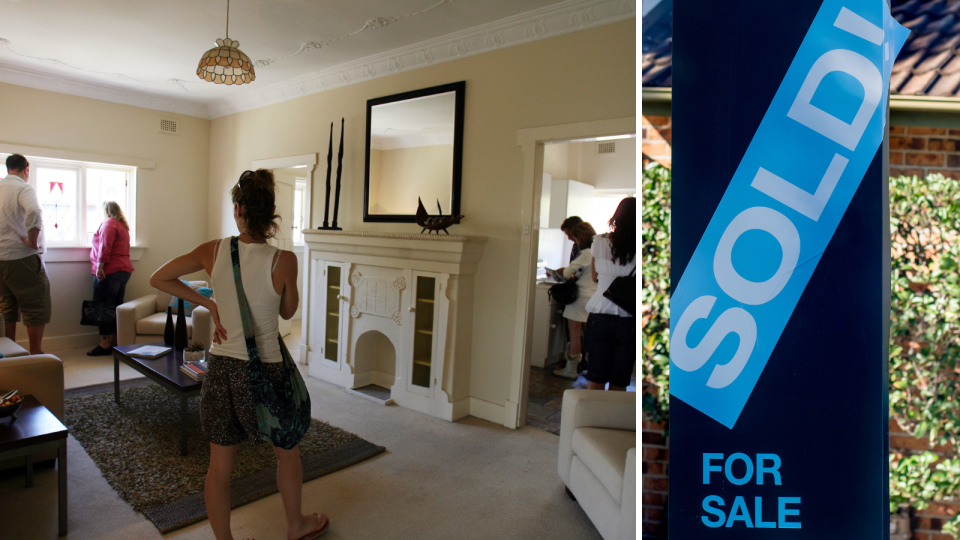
point(62, 486)
point(116, 378)
point(183, 425)
point(29, 464)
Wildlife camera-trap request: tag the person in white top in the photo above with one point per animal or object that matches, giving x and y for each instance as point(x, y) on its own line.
point(611, 333)
point(227, 408)
point(576, 312)
point(24, 287)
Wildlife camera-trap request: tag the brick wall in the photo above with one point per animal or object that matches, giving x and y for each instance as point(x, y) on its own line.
point(913, 151)
point(655, 139)
point(919, 151)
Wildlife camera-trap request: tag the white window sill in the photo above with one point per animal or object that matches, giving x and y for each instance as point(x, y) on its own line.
point(58, 254)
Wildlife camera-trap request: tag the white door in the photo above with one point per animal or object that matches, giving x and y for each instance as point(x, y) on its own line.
point(284, 240)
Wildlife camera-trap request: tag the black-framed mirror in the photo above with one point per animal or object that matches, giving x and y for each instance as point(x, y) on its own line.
point(414, 150)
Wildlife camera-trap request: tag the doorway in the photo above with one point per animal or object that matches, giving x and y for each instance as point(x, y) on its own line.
point(583, 181)
point(537, 213)
point(294, 180)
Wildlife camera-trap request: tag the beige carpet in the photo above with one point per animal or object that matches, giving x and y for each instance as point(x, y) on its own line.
point(438, 480)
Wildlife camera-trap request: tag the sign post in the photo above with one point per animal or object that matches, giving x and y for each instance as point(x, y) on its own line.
point(780, 242)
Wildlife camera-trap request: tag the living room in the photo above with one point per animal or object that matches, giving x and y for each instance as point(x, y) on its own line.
point(578, 69)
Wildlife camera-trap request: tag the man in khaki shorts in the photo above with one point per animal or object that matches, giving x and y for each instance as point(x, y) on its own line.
point(24, 287)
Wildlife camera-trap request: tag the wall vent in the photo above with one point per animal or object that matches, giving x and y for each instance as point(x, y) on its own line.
point(607, 147)
point(168, 126)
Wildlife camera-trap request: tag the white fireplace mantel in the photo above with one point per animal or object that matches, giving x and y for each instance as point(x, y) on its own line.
point(394, 310)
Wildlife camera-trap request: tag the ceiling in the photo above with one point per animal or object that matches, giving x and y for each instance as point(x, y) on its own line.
point(146, 52)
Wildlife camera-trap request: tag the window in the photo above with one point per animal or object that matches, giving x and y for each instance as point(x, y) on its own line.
point(602, 208)
point(72, 193)
point(299, 210)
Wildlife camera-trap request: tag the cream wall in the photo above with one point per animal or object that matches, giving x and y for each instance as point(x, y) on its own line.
point(171, 199)
point(580, 161)
point(404, 174)
point(567, 79)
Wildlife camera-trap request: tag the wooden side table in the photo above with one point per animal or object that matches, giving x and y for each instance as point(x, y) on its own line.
point(35, 430)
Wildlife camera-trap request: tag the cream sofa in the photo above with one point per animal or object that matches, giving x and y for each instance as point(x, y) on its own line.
point(144, 319)
point(40, 375)
point(598, 458)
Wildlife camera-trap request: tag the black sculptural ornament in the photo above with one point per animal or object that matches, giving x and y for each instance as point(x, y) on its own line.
point(180, 340)
point(434, 223)
point(336, 202)
point(168, 329)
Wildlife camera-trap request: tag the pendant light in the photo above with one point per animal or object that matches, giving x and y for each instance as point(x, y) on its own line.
point(225, 63)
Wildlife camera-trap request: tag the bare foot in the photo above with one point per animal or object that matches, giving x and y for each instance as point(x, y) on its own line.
point(310, 526)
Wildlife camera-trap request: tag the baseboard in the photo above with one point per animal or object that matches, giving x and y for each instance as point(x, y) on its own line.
point(485, 410)
point(59, 343)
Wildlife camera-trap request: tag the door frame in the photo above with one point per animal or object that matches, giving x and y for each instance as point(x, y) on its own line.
point(309, 164)
point(531, 142)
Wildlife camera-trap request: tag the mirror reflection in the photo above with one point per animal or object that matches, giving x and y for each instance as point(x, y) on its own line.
point(412, 153)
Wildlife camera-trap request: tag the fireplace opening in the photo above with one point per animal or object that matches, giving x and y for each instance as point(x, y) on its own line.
point(374, 360)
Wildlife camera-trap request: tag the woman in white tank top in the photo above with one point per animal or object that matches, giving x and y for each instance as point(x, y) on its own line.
point(227, 408)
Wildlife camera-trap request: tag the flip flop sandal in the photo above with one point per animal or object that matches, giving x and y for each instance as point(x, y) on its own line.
point(318, 530)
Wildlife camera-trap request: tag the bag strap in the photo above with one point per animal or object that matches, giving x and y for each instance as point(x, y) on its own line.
point(248, 335)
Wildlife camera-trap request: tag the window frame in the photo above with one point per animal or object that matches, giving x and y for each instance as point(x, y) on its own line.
point(128, 205)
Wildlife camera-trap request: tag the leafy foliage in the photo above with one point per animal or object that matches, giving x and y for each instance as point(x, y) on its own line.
point(924, 327)
point(925, 336)
point(655, 294)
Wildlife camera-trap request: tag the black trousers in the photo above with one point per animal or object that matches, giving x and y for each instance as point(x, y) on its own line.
point(109, 290)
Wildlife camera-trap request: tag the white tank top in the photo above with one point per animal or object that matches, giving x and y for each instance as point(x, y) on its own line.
point(256, 270)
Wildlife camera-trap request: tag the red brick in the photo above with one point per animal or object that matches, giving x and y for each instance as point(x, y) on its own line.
point(909, 443)
point(941, 509)
point(651, 528)
point(928, 523)
point(659, 426)
point(926, 131)
point(941, 536)
point(653, 437)
point(655, 454)
point(896, 158)
point(656, 148)
point(654, 499)
point(895, 427)
point(652, 467)
point(953, 160)
point(946, 145)
point(654, 515)
point(955, 132)
point(910, 143)
point(655, 120)
point(907, 172)
point(921, 535)
point(929, 160)
point(894, 130)
point(656, 484)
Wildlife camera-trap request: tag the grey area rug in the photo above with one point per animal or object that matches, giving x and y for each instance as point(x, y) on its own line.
point(136, 446)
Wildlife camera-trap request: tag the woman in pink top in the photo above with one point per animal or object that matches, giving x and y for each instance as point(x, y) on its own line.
point(111, 268)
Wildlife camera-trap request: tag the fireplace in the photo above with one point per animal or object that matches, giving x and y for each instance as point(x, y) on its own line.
point(395, 310)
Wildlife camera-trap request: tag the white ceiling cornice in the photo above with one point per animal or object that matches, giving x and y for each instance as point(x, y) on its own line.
point(534, 25)
point(556, 20)
point(63, 85)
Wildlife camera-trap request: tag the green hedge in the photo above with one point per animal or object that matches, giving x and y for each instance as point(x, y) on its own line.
point(924, 327)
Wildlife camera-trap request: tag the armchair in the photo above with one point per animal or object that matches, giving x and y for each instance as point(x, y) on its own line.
point(143, 320)
point(598, 458)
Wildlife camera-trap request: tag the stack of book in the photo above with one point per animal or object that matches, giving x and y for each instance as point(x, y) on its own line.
point(195, 371)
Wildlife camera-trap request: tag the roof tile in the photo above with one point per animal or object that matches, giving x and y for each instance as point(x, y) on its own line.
point(929, 63)
point(946, 86)
point(918, 84)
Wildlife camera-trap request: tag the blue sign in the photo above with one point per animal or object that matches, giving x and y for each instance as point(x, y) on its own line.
point(782, 206)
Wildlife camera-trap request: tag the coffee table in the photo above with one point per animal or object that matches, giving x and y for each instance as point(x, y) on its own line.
point(163, 370)
point(35, 430)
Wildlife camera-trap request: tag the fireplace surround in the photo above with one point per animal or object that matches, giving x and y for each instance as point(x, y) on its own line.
point(395, 310)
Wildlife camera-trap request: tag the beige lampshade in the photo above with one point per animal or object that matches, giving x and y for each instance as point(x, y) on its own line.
point(226, 64)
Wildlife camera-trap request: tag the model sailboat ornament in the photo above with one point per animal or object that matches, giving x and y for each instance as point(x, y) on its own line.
point(434, 223)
